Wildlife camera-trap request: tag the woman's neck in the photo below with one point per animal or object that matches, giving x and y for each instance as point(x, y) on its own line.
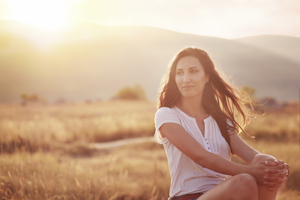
point(192, 107)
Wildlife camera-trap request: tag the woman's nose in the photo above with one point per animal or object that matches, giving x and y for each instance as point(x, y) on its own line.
point(186, 79)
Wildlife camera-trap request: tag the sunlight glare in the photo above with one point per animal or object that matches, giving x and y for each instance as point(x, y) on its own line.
point(44, 14)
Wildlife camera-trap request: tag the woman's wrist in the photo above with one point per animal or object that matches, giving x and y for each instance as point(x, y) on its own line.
point(248, 169)
point(243, 169)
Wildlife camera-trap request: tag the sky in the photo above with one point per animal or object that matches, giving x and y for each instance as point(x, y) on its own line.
point(219, 18)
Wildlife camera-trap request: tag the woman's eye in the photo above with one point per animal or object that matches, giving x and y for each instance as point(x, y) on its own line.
point(194, 71)
point(179, 73)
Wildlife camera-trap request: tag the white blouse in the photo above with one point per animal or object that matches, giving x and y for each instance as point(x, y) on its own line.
point(186, 175)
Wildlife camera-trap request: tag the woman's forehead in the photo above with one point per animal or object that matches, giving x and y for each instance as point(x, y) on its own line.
point(188, 62)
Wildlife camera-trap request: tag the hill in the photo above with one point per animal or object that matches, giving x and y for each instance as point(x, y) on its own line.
point(286, 46)
point(94, 61)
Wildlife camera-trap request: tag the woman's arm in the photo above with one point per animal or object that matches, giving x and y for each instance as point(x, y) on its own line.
point(240, 148)
point(193, 149)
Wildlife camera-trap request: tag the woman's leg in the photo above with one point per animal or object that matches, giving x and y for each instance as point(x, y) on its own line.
point(238, 187)
point(263, 190)
point(242, 187)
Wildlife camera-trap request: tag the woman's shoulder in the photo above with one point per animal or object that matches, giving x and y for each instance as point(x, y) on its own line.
point(166, 115)
point(165, 110)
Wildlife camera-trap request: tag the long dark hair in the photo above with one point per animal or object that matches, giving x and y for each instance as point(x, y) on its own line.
point(219, 99)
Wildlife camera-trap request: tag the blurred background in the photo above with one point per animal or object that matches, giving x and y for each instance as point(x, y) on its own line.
point(76, 50)
point(77, 73)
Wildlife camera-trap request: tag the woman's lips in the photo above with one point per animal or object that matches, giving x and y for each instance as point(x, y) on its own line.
point(187, 87)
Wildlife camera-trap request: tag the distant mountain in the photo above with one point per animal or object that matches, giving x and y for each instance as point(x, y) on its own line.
point(94, 62)
point(286, 46)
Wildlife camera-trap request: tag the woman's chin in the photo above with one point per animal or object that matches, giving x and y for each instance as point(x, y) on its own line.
point(189, 95)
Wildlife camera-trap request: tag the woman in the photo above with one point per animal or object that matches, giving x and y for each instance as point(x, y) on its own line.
point(197, 122)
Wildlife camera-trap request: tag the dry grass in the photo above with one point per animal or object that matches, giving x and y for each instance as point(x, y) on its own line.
point(275, 126)
point(46, 127)
point(44, 152)
point(138, 172)
point(119, 174)
point(37, 127)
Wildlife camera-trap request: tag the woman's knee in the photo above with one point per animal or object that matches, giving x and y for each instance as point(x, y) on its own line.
point(262, 157)
point(246, 180)
point(246, 186)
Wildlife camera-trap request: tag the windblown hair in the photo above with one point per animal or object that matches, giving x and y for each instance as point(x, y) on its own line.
point(219, 99)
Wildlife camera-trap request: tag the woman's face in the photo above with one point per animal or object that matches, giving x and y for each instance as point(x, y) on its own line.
point(190, 77)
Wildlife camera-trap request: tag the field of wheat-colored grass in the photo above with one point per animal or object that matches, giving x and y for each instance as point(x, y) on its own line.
point(35, 127)
point(45, 152)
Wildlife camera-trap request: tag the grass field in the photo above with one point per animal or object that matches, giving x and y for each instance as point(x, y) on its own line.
point(45, 153)
point(36, 127)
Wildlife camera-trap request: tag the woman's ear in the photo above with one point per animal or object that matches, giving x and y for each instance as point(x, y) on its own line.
point(206, 78)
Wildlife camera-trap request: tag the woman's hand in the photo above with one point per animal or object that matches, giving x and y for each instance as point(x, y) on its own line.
point(276, 174)
point(270, 172)
point(275, 171)
point(258, 171)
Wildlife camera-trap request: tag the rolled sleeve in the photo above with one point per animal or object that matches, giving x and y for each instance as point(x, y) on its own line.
point(162, 116)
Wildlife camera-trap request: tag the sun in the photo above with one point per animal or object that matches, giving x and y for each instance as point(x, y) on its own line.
point(44, 14)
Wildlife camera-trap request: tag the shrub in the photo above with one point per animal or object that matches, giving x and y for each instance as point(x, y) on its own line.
point(131, 93)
